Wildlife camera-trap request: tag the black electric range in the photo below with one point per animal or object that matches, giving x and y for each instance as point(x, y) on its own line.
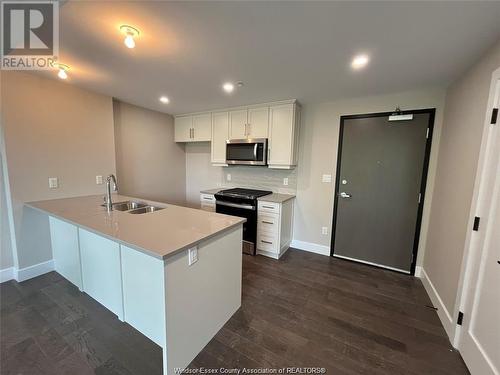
point(242, 203)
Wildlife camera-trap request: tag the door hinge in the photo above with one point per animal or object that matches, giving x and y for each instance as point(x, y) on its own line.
point(494, 116)
point(460, 318)
point(475, 227)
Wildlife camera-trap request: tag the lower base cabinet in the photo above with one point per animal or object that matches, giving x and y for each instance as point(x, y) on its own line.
point(66, 251)
point(144, 293)
point(101, 270)
point(274, 227)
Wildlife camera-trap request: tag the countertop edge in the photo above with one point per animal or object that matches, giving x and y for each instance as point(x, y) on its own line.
point(133, 246)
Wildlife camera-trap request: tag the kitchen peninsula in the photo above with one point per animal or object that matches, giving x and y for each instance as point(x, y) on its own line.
point(173, 273)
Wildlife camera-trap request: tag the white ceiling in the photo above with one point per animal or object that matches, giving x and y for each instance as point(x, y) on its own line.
point(280, 50)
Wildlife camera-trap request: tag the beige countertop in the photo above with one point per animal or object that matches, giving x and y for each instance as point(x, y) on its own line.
point(276, 197)
point(212, 191)
point(160, 234)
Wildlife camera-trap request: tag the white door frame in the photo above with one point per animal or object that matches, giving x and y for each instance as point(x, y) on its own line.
point(473, 254)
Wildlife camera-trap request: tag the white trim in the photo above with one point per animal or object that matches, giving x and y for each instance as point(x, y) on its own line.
point(6, 274)
point(311, 247)
point(418, 271)
point(442, 311)
point(371, 263)
point(34, 270)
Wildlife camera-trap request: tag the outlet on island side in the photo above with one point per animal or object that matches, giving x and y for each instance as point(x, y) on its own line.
point(285, 181)
point(324, 230)
point(98, 180)
point(53, 182)
point(228, 177)
point(192, 255)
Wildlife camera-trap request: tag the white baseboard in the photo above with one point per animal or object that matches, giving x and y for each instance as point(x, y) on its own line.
point(35, 270)
point(418, 271)
point(311, 247)
point(443, 313)
point(7, 274)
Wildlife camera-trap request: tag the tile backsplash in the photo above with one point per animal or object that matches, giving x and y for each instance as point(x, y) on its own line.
point(260, 178)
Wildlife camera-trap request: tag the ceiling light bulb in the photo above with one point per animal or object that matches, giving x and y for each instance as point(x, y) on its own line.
point(62, 74)
point(360, 61)
point(129, 41)
point(62, 70)
point(228, 87)
point(130, 34)
point(164, 99)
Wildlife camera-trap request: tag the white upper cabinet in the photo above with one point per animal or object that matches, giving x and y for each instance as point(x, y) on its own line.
point(238, 124)
point(193, 128)
point(279, 122)
point(249, 123)
point(183, 126)
point(202, 127)
point(284, 125)
point(258, 122)
point(220, 134)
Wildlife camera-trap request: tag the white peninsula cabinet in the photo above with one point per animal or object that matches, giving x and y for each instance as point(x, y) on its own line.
point(150, 270)
point(279, 122)
point(274, 224)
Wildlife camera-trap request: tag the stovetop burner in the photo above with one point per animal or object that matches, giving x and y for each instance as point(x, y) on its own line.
point(244, 193)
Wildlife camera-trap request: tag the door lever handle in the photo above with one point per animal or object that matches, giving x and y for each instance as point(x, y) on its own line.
point(345, 195)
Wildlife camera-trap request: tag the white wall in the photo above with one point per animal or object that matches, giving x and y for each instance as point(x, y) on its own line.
point(6, 258)
point(464, 119)
point(52, 129)
point(149, 164)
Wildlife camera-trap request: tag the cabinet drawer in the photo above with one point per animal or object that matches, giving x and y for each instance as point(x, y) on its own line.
point(207, 198)
point(267, 243)
point(268, 223)
point(269, 207)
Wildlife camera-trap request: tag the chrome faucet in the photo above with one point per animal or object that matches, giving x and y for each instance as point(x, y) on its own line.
point(109, 203)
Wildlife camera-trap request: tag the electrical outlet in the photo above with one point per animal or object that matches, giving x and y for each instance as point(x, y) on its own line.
point(285, 181)
point(98, 180)
point(324, 230)
point(192, 255)
point(228, 177)
point(53, 183)
point(326, 178)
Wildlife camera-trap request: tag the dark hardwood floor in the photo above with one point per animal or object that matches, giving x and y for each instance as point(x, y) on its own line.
point(304, 310)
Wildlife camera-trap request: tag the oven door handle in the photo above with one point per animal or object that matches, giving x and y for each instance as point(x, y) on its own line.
point(236, 205)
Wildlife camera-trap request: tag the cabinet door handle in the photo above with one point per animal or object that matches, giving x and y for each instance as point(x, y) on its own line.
point(267, 222)
point(249, 129)
point(208, 199)
point(268, 242)
point(271, 207)
point(193, 133)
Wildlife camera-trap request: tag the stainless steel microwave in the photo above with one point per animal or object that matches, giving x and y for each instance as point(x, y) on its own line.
point(246, 151)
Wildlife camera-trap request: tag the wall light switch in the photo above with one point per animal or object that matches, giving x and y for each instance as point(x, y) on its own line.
point(327, 178)
point(285, 181)
point(324, 230)
point(228, 177)
point(98, 180)
point(192, 255)
point(53, 183)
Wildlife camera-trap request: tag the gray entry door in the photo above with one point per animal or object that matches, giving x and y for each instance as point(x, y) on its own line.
point(381, 167)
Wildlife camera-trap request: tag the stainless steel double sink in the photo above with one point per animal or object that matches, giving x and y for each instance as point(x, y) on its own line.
point(135, 208)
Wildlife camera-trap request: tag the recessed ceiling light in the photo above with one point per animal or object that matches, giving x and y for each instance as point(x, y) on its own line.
point(62, 70)
point(228, 87)
point(164, 99)
point(360, 61)
point(130, 34)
